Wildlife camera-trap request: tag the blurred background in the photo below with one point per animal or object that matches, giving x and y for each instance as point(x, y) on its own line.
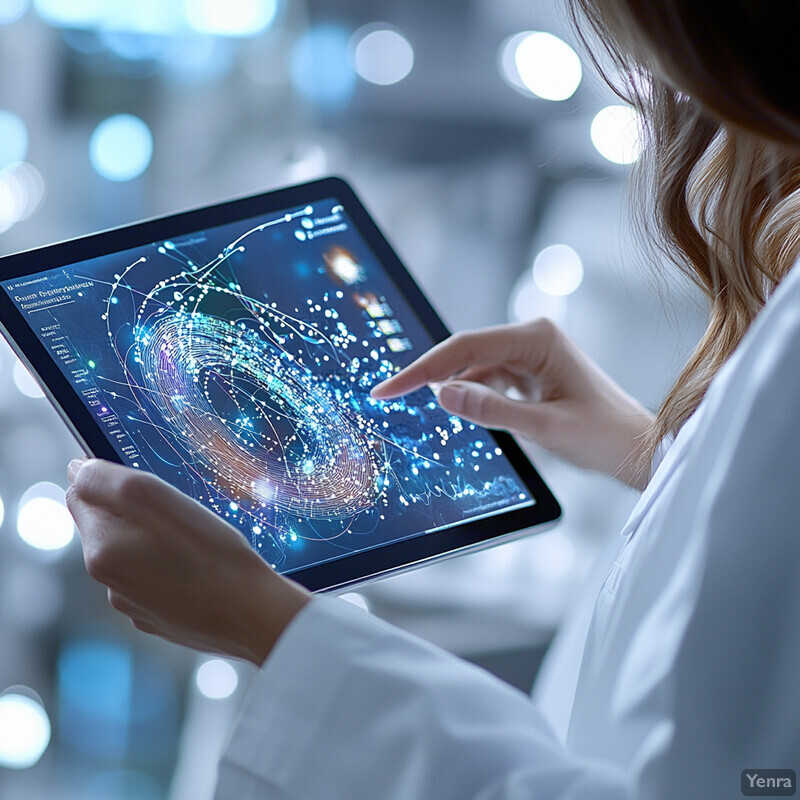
point(496, 162)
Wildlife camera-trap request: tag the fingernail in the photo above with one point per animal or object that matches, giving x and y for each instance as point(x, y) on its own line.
point(74, 467)
point(435, 387)
point(452, 397)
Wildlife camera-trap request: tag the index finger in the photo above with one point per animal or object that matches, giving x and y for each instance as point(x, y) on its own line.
point(490, 346)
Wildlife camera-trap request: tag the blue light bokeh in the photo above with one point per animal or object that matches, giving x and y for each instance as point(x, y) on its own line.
point(321, 67)
point(121, 147)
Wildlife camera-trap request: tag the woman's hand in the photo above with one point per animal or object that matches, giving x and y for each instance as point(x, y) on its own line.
point(567, 404)
point(174, 567)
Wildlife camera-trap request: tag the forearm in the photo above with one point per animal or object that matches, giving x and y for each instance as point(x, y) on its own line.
point(349, 707)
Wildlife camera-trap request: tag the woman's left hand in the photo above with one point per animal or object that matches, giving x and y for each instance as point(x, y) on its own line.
point(174, 567)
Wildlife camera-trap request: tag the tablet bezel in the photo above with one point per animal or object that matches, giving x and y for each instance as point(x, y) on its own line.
point(343, 572)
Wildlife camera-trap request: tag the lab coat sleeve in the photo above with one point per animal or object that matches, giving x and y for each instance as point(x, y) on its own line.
point(736, 677)
point(350, 707)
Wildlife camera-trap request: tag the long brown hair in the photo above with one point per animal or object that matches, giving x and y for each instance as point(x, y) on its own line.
point(721, 162)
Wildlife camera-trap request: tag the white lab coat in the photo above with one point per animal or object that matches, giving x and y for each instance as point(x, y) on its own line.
point(690, 671)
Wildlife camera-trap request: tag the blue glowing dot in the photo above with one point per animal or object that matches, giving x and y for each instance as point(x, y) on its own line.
point(115, 300)
point(121, 147)
point(234, 507)
point(321, 68)
point(95, 675)
point(13, 139)
point(91, 364)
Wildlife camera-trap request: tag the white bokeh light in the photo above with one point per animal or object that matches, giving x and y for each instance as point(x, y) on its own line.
point(558, 270)
point(121, 147)
point(25, 382)
point(382, 56)
point(216, 679)
point(540, 63)
point(230, 17)
point(43, 521)
point(528, 302)
point(616, 134)
point(21, 193)
point(24, 731)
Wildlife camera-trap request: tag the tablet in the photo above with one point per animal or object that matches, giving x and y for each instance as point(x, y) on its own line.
point(231, 350)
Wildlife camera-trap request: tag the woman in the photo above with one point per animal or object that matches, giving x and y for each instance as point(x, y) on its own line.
point(689, 672)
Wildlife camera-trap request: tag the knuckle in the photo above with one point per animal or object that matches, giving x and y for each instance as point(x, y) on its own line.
point(455, 341)
point(463, 342)
point(544, 328)
point(481, 405)
point(71, 499)
point(543, 431)
point(99, 565)
point(135, 489)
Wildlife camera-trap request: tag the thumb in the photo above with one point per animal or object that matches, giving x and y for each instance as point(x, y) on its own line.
point(490, 408)
point(74, 467)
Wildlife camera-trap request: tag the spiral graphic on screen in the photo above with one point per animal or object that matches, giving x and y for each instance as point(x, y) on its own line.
point(267, 432)
point(283, 450)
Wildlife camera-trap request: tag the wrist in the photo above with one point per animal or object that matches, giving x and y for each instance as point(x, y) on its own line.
point(273, 602)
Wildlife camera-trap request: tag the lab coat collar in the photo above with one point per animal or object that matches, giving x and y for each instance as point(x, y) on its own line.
point(673, 456)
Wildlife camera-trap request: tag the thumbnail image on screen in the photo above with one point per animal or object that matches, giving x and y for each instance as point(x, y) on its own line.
point(236, 363)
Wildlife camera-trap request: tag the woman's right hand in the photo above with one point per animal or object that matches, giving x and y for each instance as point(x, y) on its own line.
point(566, 403)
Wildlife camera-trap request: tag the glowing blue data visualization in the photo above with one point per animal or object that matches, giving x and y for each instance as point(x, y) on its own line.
point(236, 363)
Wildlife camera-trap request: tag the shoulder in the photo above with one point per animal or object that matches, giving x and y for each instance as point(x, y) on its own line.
point(779, 320)
point(746, 446)
point(768, 357)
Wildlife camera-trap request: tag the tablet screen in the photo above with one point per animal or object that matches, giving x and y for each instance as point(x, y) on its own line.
point(236, 363)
